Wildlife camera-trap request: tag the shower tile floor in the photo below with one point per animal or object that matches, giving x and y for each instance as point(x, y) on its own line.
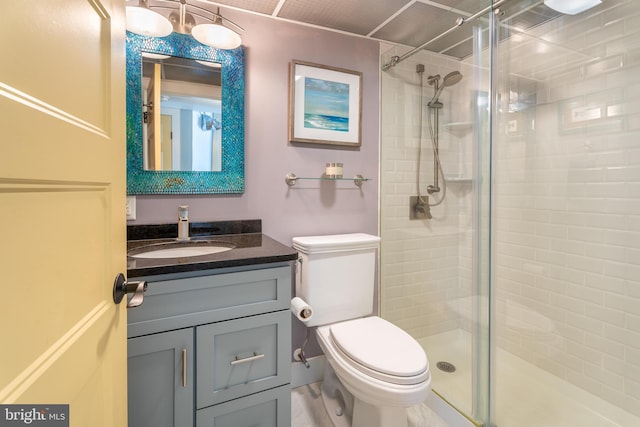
point(307, 410)
point(527, 396)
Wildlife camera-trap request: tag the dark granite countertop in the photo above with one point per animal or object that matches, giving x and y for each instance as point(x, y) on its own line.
point(250, 247)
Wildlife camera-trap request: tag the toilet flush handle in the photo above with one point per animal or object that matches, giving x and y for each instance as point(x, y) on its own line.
point(299, 272)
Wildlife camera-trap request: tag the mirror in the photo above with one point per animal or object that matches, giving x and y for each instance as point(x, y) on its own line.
point(184, 134)
point(143, 177)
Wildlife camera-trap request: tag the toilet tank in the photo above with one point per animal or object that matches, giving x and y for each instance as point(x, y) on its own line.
point(336, 275)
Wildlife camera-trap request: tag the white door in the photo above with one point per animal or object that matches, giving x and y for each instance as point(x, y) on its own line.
point(62, 198)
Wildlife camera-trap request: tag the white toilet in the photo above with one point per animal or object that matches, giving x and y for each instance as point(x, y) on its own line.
point(375, 370)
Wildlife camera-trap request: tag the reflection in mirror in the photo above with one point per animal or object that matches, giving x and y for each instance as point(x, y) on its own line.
point(185, 133)
point(228, 178)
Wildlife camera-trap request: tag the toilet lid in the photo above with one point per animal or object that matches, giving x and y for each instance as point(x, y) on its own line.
point(381, 346)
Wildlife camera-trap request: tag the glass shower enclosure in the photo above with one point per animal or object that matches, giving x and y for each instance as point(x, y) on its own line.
point(510, 213)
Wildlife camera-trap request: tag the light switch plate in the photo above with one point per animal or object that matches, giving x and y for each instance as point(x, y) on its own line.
point(131, 208)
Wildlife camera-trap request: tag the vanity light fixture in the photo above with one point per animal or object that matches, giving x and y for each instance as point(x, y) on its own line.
point(212, 33)
point(571, 7)
point(151, 55)
point(144, 21)
point(209, 64)
point(216, 34)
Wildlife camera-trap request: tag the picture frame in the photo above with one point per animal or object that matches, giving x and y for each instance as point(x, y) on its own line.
point(325, 105)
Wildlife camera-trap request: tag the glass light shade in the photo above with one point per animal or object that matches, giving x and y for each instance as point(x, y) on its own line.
point(216, 35)
point(151, 55)
point(571, 7)
point(208, 64)
point(146, 22)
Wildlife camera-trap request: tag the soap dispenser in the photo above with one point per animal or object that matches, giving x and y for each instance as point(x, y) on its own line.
point(183, 223)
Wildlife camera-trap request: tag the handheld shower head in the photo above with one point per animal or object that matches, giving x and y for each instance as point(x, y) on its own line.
point(448, 80)
point(451, 78)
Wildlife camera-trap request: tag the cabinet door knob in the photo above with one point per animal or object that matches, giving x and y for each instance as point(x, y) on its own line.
point(121, 287)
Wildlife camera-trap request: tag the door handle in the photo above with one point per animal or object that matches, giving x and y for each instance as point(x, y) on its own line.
point(121, 288)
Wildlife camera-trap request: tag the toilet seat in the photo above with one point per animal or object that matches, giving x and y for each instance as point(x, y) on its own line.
point(380, 350)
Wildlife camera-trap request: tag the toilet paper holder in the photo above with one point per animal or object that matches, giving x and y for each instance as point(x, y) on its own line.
point(301, 309)
point(122, 287)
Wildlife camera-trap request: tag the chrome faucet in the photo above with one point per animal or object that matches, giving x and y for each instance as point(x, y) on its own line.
point(183, 223)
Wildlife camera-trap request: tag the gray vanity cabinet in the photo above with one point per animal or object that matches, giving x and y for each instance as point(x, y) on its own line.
point(271, 409)
point(241, 357)
point(212, 349)
point(160, 379)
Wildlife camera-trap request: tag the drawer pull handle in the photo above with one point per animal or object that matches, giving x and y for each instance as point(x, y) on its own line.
point(255, 356)
point(184, 367)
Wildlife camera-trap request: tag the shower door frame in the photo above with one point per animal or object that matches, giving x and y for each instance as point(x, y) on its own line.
point(483, 334)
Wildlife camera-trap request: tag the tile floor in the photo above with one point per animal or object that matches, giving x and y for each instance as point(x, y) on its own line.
point(526, 396)
point(307, 410)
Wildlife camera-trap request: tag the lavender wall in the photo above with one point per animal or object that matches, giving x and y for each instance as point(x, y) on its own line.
point(309, 207)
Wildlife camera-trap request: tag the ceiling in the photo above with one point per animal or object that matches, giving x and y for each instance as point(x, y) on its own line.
point(403, 22)
point(409, 23)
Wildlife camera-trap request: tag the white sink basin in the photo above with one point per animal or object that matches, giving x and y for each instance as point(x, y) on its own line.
point(179, 249)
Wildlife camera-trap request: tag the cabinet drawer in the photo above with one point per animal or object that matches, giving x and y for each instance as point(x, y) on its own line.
point(271, 408)
point(179, 303)
point(242, 356)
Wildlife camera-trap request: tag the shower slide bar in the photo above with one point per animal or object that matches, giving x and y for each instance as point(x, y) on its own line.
point(395, 60)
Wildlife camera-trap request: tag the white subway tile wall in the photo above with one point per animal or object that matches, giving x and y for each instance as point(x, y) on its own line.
point(567, 202)
point(423, 273)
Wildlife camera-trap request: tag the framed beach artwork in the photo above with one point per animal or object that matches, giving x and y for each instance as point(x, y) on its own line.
point(325, 105)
